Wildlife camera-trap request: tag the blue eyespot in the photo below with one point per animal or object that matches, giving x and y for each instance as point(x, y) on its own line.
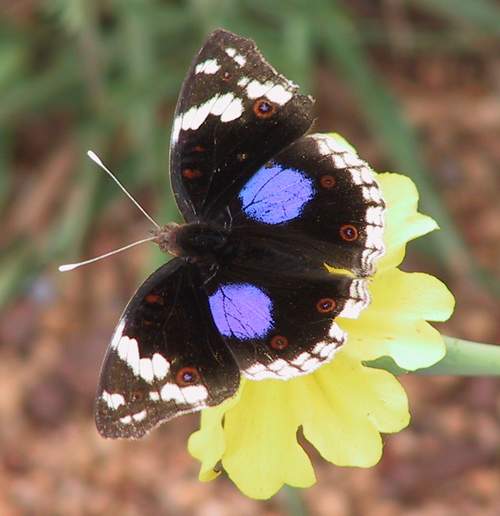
point(276, 194)
point(242, 311)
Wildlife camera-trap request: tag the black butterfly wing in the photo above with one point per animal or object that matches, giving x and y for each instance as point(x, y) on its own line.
point(320, 195)
point(280, 324)
point(166, 357)
point(234, 113)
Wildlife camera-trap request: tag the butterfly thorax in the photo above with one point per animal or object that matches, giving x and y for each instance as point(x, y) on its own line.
point(196, 240)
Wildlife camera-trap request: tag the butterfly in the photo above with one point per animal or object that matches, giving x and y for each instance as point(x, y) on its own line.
point(248, 292)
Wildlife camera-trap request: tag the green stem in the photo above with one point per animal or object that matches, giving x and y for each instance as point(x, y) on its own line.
point(467, 358)
point(463, 358)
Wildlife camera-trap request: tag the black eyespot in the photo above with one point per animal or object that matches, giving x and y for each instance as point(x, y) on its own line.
point(326, 305)
point(279, 342)
point(327, 181)
point(263, 108)
point(187, 376)
point(349, 232)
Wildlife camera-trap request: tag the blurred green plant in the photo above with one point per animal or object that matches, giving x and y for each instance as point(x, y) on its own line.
point(114, 70)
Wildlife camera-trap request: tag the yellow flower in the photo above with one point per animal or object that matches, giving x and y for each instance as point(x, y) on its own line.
point(343, 406)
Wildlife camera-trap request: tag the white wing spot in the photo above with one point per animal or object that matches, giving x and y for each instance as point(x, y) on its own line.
point(146, 369)
point(160, 366)
point(367, 174)
point(128, 351)
point(328, 351)
point(226, 106)
point(154, 396)
point(352, 160)
point(299, 360)
point(279, 94)
point(233, 111)
point(243, 81)
point(310, 365)
point(176, 129)
point(277, 365)
point(210, 66)
point(288, 372)
point(255, 369)
point(375, 215)
point(274, 92)
point(351, 309)
point(122, 348)
point(195, 116)
point(139, 416)
point(261, 375)
point(374, 236)
point(195, 393)
point(113, 401)
point(238, 58)
point(337, 334)
point(170, 391)
point(221, 104)
point(339, 161)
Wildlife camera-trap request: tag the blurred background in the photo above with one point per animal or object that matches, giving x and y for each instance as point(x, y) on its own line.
point(413, 84)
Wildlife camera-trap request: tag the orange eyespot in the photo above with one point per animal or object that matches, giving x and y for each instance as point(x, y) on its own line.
point(187, 376)
point(279, 342)
point(154, 299)
point(349, 233)
point(263, 108)
point(326, 305)
point(191, 173)
point(327, 181)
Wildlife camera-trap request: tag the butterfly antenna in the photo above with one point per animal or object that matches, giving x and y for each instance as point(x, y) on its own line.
point(71, 266)
point(95, 158)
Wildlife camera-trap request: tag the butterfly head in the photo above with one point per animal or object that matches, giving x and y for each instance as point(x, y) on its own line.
point(166, 238)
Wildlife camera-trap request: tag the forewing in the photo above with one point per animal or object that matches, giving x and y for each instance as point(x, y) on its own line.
point(320, 194)
point(234, 112)
point(166, 357)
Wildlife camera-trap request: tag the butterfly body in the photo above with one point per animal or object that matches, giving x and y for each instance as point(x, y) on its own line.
point(195, 241)
point(248, 292)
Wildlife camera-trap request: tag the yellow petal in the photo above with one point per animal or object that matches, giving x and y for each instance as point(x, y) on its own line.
point(402, 221)
point(394, 322)
point(343, 407)
point(262, 452)
point(208, 443)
